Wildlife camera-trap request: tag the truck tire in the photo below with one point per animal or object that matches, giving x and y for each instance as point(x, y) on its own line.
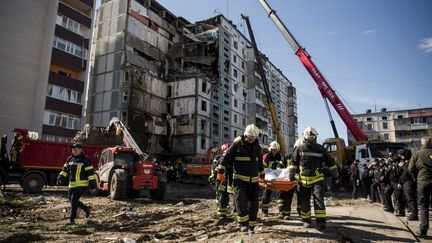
point(118, 185)
point(159, 193)
point(33, 183)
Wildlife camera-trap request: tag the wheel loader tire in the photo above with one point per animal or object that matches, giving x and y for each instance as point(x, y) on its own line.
point(118, 186)
point(33, 183)
point(159, 193)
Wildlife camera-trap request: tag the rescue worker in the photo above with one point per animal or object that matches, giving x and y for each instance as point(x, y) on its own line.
point(78, 171)
point(223, 188)
point(407, 182)
point(271, 161)
point(387, 185)
point(420, 167)
point(354, 177)
point(245, 159)
point(311, 160)
point(285, 197)
point(17, 148)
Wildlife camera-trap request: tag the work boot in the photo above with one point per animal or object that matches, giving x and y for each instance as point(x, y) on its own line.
point(251, 230)
point(321, 226)
point(244, 229)
point(70, 222)
point(222, 220)
point(422, 233)
point(87, 211)
point(307, 225)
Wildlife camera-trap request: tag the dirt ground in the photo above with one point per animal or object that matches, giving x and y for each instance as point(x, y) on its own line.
point(187, 214)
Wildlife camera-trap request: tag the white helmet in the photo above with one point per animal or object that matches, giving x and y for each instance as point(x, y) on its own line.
point(274, 145)
point(310, 133)
point(251, 130)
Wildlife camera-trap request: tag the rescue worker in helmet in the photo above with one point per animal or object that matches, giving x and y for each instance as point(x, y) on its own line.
point(245, 159)
point(311, 161)
point(223, 189)
point(271, 161)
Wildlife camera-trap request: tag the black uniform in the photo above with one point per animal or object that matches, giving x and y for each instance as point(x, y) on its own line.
point(409, 190)
point(390, 179)
point(376, 187)
point(78, 170)
point(269, 161)
point(245, 159)
point(420, 167)
point(310, 160)
point(285, 197)
point(354, 178)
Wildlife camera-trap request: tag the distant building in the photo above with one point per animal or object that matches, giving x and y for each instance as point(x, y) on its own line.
point(405, 126)
point(44, 49)
point(182, 88)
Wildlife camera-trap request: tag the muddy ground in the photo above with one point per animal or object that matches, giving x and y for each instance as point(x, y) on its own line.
point(188, 213)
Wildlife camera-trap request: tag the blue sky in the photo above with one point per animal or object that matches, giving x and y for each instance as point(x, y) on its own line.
point(371, 51)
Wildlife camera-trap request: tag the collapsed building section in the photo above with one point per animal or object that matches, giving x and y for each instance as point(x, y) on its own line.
point(182, 88)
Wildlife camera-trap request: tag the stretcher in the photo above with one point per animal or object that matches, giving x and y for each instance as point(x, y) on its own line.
point(278, 184)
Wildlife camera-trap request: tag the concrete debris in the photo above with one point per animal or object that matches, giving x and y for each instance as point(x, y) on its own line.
point(128, 240)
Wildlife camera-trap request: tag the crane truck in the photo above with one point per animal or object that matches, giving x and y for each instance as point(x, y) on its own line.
point(365, 151)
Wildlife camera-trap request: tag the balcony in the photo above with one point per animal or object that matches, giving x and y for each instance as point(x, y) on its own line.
point(68, 60)
point(422, 126)
point(67, 82)
point(80, 17)
point(63, 106)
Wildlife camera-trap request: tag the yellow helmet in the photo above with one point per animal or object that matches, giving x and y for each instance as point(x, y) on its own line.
point(274, 145)
point(251, 130)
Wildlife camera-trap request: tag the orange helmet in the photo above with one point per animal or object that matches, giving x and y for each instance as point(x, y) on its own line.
point(225, 147)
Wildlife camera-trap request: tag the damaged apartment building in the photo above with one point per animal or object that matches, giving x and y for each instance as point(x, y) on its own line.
point(182, 88)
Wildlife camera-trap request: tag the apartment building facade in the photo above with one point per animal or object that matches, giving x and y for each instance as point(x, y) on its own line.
point(405, 126)
point(182, 88)
point(44, 65)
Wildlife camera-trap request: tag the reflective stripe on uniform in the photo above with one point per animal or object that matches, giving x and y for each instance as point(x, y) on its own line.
point(261, 172)
point(222, 211)
point(88, 168)
point(280, 201)
point(319, 155)
point(222, 187)
point(243, 219)
point(333, 167)
point(308, 180)
point(91, 178)
point(252, 223)
point(242, 158)
point(265, 206)
point(320, 214)
point(74, 184)
point(63, 173)
point(230, 190)
point(306, 215)
point(246, 178)
point(293, 167)
point(78, 173)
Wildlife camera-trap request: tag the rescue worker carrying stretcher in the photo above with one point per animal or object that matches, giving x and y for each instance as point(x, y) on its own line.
point(245, 159)
point(224, 187)
point(271, 161)
point(311, 161)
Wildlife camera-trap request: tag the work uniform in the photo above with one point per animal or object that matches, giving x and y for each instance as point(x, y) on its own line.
point(376, 189)
point(420, 167)
point(310, 160)
point(245, 159)
point(79, 171)
point(285, 197)
point(354, 178)
point(270, 161)
point(390, 178)
point(224, 189)
point(409, 190)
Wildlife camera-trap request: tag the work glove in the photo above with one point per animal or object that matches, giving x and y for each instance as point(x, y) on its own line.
point(220, 177)
point(92, 184)
point(61, 181)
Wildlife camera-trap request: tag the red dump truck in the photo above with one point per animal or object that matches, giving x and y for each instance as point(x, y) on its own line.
point(35, 163)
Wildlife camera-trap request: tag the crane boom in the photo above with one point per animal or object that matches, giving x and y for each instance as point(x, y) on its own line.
point(323, 85)
point(271, 106)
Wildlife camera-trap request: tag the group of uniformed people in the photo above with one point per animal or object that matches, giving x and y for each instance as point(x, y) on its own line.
point(402, 183)
point(240, 168)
